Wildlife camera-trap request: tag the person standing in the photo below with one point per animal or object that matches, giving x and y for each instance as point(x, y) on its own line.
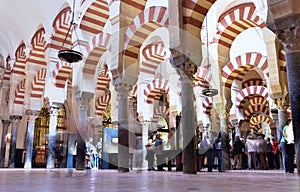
point(270, 154)
point(262, 152)
point(150, 154)
point(218, 149)
point(275, 151)
point(237, 148)
point(159, 152)
point(289, 146)
point(251, 152)
point(203, 147)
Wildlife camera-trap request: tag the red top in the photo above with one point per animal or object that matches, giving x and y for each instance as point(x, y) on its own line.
point(275, 147)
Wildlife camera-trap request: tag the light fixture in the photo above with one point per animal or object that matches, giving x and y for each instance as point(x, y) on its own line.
point(208, 92)
point(69, 55)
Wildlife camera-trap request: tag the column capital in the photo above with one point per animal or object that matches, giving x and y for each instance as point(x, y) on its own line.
point(53, 108)
point(290, 38)
point(223, 112)
point(281, 104)
point(183, 65)
point(6, 122)
point(15, 119)
point(123, 89)
point(83, 102)
point(32, 115)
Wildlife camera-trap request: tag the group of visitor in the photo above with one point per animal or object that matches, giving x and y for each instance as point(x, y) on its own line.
point(211, 152)
point(255, 152)
point(154, 148)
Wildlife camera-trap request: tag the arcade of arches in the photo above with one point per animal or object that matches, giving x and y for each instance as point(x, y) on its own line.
point(145, 66)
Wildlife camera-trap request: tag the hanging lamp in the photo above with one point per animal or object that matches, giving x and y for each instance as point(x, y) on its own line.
point(69, 55)
point(208, 92)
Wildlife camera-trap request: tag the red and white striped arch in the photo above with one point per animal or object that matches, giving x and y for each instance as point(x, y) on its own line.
point(160, 111)
point(140, 28)
point(155, 89)
point(61, 25)
point(202, 84)
point(95, 49)
point(37, 55)
point(95, 17)
point(207, 105)
point(252, 90)
point(19, 66)
point(258, 101)
point(38, 84)
point(202, 77)
point(233, 22)
point(236, 67)
point(253, 100)
point(102, 83)
point(7, 73)
point(61, 73)
point(251, 82)
point(257, 109)
point(153, 54)
point(194, 12)
point(281, 60)
point(20, 93)
point(259, 119)
point(101, 103)
point(133, 92)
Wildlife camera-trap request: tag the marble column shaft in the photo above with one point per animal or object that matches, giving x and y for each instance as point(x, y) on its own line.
point(282, 117)
point(188, 127)
point(83, 104)
point(5, 124)
point(289, 34)
point(15, 119)
point(32, 115)
point(123, 134)
point(52, 134)
point(224, 115)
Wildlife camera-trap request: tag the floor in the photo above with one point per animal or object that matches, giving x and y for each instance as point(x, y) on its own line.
point(60, 180)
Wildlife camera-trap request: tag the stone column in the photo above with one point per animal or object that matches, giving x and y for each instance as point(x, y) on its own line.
point(282, 117)
point(15, 119)
point(5, 124)
point(123, 133)
point(82, 122)
point(286, 24)
point(52, 134)
point(145, 137)
point(224, 116)
point(188, 126)
point(290, 37)
point(186, 69)
point(32, 115)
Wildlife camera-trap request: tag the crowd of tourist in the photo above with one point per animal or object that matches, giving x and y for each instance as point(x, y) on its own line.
point(255, 152)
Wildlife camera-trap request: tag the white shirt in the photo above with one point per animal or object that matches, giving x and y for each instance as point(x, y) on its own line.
point(251, 145)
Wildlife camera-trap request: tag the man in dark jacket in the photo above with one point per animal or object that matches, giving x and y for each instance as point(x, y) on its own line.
point(238, 147)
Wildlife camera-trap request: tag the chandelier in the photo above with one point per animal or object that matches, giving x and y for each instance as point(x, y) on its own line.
point(69, 55)
point(208, 92)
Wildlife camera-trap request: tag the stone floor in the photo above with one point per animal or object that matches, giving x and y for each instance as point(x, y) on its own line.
point(60, 180)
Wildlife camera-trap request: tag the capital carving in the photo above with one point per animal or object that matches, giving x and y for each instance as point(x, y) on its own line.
point(290, 38)
point(83, 103)
point(223, 112)
point(6, 122)
point(183, 65)
point(15, 120)
point(281, 104)
point(123, 89)
point(32, 115)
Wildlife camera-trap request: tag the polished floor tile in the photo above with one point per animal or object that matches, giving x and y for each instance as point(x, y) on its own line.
point(60, 180)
